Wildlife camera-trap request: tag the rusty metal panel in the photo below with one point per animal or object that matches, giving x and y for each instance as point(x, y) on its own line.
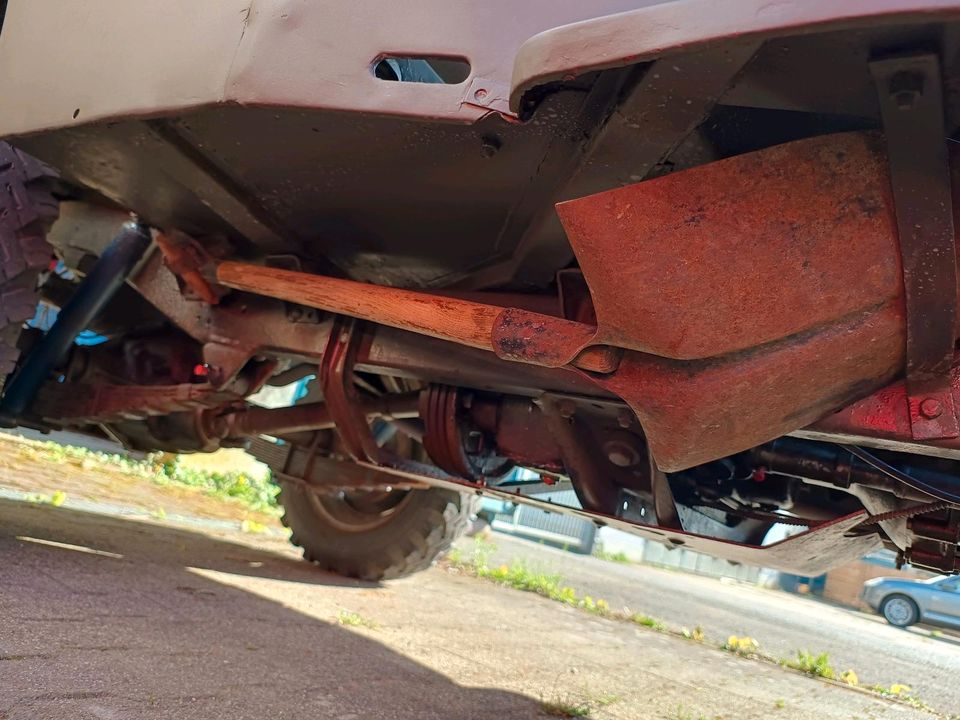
point(693, 412)
point(910, 95)
point(883, 420)
point(740, 252)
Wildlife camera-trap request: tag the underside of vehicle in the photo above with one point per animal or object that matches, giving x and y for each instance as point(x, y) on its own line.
point(700, 265)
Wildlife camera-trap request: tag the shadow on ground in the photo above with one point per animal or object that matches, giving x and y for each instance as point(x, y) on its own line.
point(89, 635)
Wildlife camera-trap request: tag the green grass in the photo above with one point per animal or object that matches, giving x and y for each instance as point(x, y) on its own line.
point(520, 576)
point(617, 557)
point(565, 708)
point(258, 493)
point(352, 619)
point(647, 622)
point(576, 706)
point(816, 665)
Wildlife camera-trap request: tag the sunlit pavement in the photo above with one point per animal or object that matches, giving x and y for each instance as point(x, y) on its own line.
point(781, 622)
point(112, 617)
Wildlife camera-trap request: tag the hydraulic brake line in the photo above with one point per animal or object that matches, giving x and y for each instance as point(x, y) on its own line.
point(899, 475)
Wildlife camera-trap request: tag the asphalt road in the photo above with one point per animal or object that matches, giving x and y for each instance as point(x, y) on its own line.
point(114, 618)
point(781, 622)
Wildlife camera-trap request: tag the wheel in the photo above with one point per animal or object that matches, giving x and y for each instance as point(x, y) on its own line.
point(899, 610)
point(27, 210)
point(374, 535)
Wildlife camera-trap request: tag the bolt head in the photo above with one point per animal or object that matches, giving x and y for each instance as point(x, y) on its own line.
point(567, 409)
point(931, 408)
point(621, 454)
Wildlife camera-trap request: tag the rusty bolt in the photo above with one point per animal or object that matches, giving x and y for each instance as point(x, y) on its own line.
point(620, 453)
point(624, 418)
point(931, 408)
point(906, 88)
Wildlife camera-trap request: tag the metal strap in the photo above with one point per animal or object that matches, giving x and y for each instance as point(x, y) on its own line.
point(911, 106)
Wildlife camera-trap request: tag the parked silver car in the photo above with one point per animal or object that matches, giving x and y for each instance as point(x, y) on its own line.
point(904, 602)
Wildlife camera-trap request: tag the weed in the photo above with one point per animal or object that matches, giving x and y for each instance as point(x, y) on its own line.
point(257, 493)
point(252, 526)
point(565, 708)
point(352, 619)
point(850, 678)
point(817, 665)
point(741, 645)
point(647, 622)
point(597, 607)
point(520, 577)
point(569, 706)
point(57, 499)
point(779, 703)
point(901, 692)
point(617, 557)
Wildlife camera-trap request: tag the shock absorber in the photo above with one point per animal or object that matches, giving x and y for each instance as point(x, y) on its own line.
point(98, 287)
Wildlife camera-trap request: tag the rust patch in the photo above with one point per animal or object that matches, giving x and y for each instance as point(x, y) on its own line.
point(740, 252)
point(696, 411)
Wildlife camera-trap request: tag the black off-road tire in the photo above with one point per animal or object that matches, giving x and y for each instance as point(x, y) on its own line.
point(420, 529)
point(27, 210)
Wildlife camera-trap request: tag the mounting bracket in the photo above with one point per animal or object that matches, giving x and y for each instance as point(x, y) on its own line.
point(911, 106)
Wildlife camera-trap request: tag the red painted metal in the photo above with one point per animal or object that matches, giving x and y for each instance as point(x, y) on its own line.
point(442, 439)
point(910, 94)
point(883, 419)
point(250, 421)
point(693, 412)
point(512, 333)
point(186, 259)
point(104, 402)
point(741, 252)
point(340, 393)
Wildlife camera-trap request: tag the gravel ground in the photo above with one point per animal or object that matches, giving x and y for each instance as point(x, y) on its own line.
point(115, 618)
point(781, 622)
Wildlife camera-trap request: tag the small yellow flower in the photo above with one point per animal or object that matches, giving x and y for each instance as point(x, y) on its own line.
point(849, 677)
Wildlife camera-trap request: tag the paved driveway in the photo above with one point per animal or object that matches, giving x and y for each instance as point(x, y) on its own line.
point(114, 618)
point(781, 622)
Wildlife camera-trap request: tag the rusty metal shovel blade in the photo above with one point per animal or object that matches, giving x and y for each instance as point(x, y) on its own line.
point(741, 252)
